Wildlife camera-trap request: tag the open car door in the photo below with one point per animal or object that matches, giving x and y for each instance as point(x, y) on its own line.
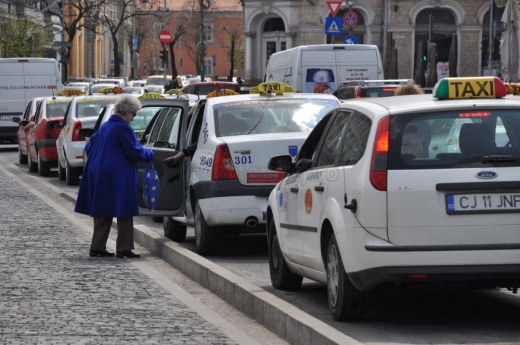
point(165, 134)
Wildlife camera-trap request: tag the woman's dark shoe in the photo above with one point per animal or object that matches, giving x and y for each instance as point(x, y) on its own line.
point(128, 254)
point(100, 252)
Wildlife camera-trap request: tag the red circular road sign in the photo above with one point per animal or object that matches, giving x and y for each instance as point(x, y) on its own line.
point(350, 19)
point(165, 36)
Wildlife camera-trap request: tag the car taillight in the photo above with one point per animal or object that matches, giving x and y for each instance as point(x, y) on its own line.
point(75, 132)
point(358, 92)
point(379, 165)
point(223, 168)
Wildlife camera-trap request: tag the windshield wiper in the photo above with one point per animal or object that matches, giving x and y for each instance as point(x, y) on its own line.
point(499, 158)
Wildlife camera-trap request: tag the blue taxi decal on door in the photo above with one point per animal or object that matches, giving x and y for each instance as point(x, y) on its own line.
point(293, 150)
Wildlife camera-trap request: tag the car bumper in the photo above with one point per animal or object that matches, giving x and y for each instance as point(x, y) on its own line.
point(371, 262)
point(230, 203)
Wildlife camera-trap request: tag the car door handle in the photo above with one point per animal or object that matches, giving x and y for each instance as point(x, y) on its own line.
point(319, 188)
point(294, 190)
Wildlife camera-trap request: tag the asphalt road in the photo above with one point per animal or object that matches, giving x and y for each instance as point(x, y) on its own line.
point(454, 316)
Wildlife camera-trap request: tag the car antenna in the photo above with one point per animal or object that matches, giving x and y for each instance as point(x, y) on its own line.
point(53, 96)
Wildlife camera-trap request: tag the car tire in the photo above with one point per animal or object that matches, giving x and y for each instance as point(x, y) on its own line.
point(281, 276)
point(157, 219)
point(44, 168)
point(62, 175)
point(33, 167)
point(174, 230)
point(205, 236)
point(346, 303)
point(71, 175)
point(22, 159)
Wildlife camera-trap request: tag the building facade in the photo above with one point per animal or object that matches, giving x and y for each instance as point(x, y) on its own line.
point(272, 26)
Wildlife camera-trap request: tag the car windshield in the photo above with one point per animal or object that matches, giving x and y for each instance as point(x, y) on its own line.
point(455, 139)
point(91, 107)
point(270, 116)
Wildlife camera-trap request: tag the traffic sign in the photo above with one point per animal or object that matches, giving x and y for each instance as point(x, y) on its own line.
point(350, 39)
point(134, 43)
point(350, 19)
point(334, 7)
point(333, 26)
point(165, 36)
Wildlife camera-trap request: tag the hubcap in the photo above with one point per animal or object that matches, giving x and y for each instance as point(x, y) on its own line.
point(332, 275)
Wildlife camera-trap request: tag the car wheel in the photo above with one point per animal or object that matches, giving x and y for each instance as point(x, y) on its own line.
point(61, 171)
point(157, 219)
point(281, 276)
point(71, 175)
point(346, 303)
point(43, 167)
point(205, 236)
point(33, 167)
point(22, 159)
point(174, 230)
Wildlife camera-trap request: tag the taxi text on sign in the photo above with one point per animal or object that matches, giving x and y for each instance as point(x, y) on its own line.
point(334, 7)
point(471, 88)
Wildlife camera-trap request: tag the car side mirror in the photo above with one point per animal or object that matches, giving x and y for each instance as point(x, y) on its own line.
point(86, 132)
point(280, 163)
point(303, 165)
point(23, 122)
point(16, 119)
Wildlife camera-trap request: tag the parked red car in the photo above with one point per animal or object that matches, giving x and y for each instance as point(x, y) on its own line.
point(43, 133)
point(21, 134)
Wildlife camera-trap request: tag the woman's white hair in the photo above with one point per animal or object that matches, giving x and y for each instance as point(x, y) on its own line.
point(127, 103)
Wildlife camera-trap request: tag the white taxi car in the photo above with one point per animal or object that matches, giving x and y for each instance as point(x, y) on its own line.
point(226, 182)
point(402, 191)
point(82, 112)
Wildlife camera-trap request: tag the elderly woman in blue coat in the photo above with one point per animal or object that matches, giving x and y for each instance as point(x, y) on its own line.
point(109, 182)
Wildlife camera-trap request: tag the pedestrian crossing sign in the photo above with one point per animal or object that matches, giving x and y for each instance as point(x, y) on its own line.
point(333, 26)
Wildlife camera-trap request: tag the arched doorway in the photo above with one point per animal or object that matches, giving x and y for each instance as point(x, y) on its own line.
point(358, 30)
point(273, 39)
point(437, 26)
point(496, 34)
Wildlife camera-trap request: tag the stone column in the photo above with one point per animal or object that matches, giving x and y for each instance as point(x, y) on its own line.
point(249, 55)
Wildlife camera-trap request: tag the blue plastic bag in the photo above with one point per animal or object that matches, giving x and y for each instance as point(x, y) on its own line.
point(151, 187)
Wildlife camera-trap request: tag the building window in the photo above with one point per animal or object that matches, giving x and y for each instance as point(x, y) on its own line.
point(208, 66)
point(208, 32)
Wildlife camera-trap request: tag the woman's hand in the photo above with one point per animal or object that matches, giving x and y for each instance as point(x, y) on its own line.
point(174, 158)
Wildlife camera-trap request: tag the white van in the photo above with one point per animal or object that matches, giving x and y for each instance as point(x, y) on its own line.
point(321, 68)
point(21, 80)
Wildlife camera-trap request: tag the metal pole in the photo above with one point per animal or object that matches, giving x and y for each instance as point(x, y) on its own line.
point(490, 45)
point(202, 50)
point(430, 34)
point(132, 58)
point(164, 45)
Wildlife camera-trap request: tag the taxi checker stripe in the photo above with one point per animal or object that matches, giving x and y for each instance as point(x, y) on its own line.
point(299, 227)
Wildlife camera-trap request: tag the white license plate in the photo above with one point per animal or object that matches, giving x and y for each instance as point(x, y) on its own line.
point(482, 203)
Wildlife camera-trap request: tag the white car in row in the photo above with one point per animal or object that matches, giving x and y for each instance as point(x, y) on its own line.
point(403, 192)
point(82, 113)
point(222, 189)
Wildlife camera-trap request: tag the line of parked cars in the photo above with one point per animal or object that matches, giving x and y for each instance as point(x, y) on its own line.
point(366, 195)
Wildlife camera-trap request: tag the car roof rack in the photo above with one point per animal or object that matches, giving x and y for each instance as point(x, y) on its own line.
point(377, 82)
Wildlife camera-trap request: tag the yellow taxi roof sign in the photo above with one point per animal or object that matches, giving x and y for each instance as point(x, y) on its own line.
point(474, 87)
point(221, 92)
point(150, 95)
point(270, 87)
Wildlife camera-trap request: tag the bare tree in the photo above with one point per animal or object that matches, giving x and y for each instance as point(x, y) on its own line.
point(116, 14)
point(142, 27)
point(75, 16)
point(179, 32)
point(233, 37)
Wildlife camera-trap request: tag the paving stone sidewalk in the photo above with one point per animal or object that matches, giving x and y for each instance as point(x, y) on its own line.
point(51, 292)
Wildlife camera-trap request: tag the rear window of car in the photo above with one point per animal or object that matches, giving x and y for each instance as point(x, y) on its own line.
point(56, 109)
point(157, 81)
point(270, 116)
point(91, 107)
point(455, 139)
point(378, 91)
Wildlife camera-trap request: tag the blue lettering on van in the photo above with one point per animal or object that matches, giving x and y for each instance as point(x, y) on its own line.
point(23, 87)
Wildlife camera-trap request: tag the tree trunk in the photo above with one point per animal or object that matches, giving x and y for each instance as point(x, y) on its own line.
point(171, 45)
point(232, 60)
point(431, 80)
point(117, 65)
